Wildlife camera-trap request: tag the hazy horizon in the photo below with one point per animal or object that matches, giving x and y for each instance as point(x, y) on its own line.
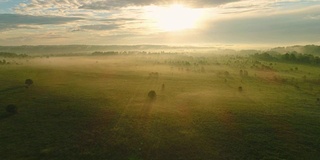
point(235, 23)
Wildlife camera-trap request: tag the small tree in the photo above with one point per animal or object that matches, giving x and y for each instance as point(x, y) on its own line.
point(28, 82)
point(202, 69)
point(12, 109)
point(241, 73)
point(226, 73)
point(245, 73)
point(240, 89)
point(152, 95)
point(304, 78)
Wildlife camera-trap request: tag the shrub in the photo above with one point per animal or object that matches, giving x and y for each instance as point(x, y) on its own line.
point(226, 73)
point(240, 89)
point(12, 109)
point(241, 73)
point(152, 94)
point(154, 75)
point(28, 82)
point(245, 73)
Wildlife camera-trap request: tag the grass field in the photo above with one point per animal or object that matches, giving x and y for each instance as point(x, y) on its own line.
point(94, 107)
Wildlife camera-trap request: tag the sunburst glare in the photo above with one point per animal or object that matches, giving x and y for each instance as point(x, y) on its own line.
point(175, 17)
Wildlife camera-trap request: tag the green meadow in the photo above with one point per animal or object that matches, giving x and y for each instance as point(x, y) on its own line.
point(207, 107)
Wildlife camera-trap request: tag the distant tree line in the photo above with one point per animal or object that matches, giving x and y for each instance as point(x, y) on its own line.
point(3, 62)
point(106, 53)
point(11, 55)
point(293, 56)
point(109, 53)
point(311, 49)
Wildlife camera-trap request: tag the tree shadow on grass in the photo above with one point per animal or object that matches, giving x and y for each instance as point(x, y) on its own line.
point(5, 115)
point(11, 88)
point(147, 107)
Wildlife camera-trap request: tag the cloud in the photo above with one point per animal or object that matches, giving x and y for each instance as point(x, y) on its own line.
point(246, 6)
point(100, 27)
point(127, 21)
point(50, 7)
point(236, 4)
point(45, 38)
point(314, 17)
point(28, 19)
point(270, 28)
point(82, 7)
point(62, 7)
point(8, 21)
point(111, 4)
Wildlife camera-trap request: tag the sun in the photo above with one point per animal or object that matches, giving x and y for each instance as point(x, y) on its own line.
point(175, 17)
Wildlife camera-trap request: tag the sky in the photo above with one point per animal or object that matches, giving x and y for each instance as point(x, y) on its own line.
point(164, 22)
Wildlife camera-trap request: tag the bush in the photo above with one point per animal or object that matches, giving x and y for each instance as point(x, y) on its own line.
point(241, 73)
point(12, 109)
point(226, 73)
point(240, 89)
point(154, 75)
point(28, 82)
point(152, 94)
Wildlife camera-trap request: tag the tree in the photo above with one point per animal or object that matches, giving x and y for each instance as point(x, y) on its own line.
point(28, 82)
point(240, 89)
point(245, 73)
point(12, 109)
point(152, 95)
point(241, 73)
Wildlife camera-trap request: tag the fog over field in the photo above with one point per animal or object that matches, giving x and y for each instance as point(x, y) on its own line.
point(157, 80)
point(161, 105)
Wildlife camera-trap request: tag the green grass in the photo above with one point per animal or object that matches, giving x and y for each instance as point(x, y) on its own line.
point(97, 108)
